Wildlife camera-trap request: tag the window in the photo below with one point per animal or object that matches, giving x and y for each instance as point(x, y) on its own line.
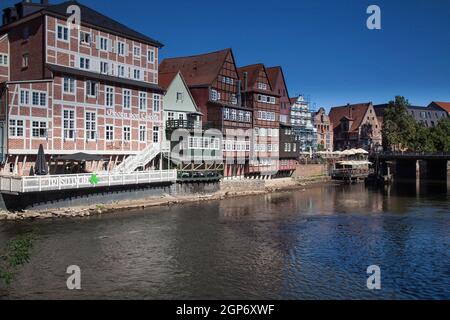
point(179, 96)
point(85, 63)
point(109, 133)
point(137, 74)
point(226, 113)
point(3, 60)
point(126, 99)
point(262, 86)
point(143, 101)
point(126, 133)
point(68, 85)
point(25, 58)
point(24, 97)
point(121, 48)
point(104, 67)
point(16, 128)
point(137, 52)
point(155, 134)
point(156, 103)
point(39, 129)
point(91, 125)
point(103, 43)
point(233, 115)
point(247, 116)
point(69, 124)
point(142, 133)
point(63, 33)
point(109, 96)
point(227, 80)
point(91, 88)
point(39, 99)
point(85, 38)
point(233, 99)
point(214, 95)
point(121, 71)
point(170, 115)
point(151, 56)
point(241, 116)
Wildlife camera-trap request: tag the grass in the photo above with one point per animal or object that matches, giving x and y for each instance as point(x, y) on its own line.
point(15, 255)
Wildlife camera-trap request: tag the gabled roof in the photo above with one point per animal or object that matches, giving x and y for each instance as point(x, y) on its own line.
point(166, 80)
point(198, 70)
point(253, 71)
point(92, 17)
point(274, 74)
point(443, 105)
point(354, 112)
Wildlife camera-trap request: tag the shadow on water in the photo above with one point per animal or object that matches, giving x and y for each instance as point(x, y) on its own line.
point(306, 244)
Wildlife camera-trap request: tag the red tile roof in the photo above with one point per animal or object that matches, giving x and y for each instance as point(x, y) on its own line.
point(274, 73)
point(165, 79)
point(252, 73)
point(199, 70)
point(353, 112)
point(443, 105)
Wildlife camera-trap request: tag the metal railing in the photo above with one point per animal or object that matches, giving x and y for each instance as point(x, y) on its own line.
point(14, 184)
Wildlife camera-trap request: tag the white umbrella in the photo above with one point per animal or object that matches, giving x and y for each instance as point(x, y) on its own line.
point(348, 152)
point(361, 151)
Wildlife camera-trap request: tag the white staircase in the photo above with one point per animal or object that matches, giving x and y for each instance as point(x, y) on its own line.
point(133, 162)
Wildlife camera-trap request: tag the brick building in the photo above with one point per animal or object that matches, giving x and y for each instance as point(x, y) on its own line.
point(91, 88)
point(355, 126)
point(214, 83)
point(289, 149)
point(259, 96)
point(324, 130)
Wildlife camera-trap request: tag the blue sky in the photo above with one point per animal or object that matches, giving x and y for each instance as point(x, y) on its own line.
point(324, 47)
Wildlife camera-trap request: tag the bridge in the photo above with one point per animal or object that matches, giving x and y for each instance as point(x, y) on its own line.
point(412, 165)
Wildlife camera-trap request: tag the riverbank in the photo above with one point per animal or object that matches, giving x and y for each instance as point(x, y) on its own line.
point(237, 188)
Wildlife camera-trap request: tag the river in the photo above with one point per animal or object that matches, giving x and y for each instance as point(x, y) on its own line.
point(307, 244)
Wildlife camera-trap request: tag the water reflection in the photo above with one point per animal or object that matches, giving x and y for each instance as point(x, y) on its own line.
point(313, 243)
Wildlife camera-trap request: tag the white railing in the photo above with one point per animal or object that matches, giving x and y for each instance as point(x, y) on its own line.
point(14, 184)
point(135, 161)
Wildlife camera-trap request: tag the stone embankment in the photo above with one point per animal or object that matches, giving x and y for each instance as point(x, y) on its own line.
point(228, 189)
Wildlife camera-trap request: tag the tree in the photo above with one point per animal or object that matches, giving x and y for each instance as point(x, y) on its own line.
point(399, 127)
point(440, 136)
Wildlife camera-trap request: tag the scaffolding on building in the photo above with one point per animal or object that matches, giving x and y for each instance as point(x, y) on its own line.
point(302, 121)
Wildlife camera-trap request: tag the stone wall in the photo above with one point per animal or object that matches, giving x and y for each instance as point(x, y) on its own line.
point(310, 170)
point(242, 185)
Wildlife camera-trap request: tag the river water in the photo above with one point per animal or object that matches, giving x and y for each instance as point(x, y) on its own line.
point(306, 244)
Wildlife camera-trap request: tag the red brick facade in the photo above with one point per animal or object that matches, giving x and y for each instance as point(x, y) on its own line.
point(97, 96)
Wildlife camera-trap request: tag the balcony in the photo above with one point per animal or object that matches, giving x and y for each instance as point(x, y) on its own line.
point(182, 124)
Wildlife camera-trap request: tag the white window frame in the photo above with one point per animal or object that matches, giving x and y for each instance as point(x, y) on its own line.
point(136, 55)
point(82, 39)
point(57, 32)
point(68, 130)
point(26, 96)
point(4, 61)
point(126, 133)
point(15, 126)
point(104, 67)
point(155, 134)
point(143, 101)
point(121, 48)
point(91, 134)
point(71, 85)
point(156, 103)
point(126, 98)
point(121, 71)
point(86, 65)
point(40, 94)
point(214, 95)
point(137, 74)
point(110, 103)
point(103, 41)
point(39, 127)
point(89, 92)
point(151, 55)
point(109, 132)
point(143, 133)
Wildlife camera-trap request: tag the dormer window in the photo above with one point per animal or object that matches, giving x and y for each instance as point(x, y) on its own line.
point(179, 96)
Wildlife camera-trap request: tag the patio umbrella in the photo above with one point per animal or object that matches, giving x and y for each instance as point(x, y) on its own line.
point(41, 168)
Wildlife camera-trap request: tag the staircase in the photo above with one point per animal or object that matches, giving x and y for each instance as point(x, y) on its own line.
point(133, 162)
